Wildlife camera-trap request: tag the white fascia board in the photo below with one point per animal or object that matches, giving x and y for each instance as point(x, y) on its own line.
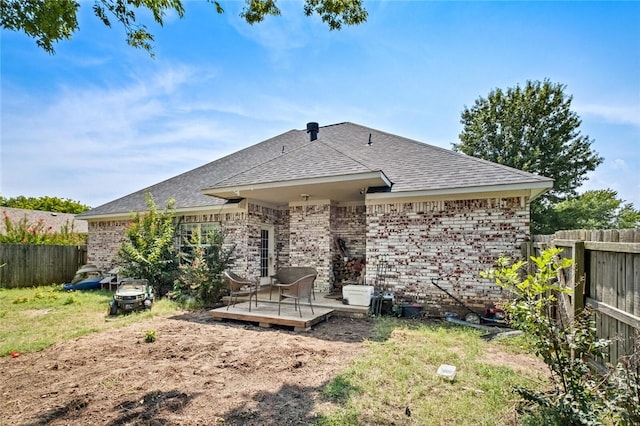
point(109, 216)
point(534, 189)
point(238, 189)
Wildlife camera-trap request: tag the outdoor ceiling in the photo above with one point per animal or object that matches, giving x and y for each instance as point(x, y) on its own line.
point(336, 188)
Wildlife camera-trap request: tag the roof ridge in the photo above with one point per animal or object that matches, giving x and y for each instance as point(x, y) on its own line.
point(287, 152)
point(348, 156)
point(295, 148)
point(410, 163)
point(335, 124)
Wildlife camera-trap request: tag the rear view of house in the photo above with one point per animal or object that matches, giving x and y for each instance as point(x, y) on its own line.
point(347, 199)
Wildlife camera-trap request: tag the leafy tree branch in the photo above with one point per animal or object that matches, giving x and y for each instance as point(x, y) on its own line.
point(50, 21)
point(46, 203)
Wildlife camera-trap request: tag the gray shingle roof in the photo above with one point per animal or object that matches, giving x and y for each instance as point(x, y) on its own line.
point(339, 150)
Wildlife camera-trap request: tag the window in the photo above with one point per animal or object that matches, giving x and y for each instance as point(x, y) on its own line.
point(188, 231)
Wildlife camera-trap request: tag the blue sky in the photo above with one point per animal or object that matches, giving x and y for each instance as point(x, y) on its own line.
point(99, 119)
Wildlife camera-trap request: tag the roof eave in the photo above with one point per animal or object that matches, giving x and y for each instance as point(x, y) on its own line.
point(535, 189)
point(375, 178)
point(178, 211)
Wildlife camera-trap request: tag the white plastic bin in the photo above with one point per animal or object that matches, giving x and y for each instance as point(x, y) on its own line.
point(357, 295)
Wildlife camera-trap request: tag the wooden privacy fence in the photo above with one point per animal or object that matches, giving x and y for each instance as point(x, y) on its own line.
point(27, 265)
point(605, 276)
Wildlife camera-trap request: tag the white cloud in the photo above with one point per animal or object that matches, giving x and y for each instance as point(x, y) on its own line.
point(622, 180)
point(94, 143)
point(619, 164)
point(617, 114)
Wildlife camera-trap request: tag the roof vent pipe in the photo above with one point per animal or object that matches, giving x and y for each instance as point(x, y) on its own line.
point(313, 129)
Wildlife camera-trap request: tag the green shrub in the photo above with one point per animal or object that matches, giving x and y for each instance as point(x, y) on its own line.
point(24, 232)
point(579, 395)
point(148, 250)
point(200, 280)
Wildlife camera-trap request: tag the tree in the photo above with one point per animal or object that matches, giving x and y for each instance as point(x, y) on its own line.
point(49, 21)
point(148, 251)
point(531, 129)
point(598, 209)
point(46, 203)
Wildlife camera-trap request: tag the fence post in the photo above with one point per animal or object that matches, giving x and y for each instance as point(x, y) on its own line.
point(578, 274)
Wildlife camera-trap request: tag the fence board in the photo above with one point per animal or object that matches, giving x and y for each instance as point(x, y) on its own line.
point(636, 279)
point(616, 313)
point(28, 265)
point(595, 287)
point(610, 273)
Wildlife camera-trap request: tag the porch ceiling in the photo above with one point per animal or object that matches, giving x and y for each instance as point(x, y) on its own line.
point(337, 188)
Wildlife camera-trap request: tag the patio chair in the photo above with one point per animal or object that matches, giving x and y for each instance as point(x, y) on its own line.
point(302, 288)
point(239, 286)
point(289, 275)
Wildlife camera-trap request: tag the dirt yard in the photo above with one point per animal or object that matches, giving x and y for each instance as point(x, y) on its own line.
point(197, 372)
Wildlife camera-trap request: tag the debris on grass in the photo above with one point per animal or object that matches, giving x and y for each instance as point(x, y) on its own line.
point(447, 371)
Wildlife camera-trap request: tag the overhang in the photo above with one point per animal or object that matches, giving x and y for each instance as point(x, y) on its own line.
point(533, 190)
point(341, 188)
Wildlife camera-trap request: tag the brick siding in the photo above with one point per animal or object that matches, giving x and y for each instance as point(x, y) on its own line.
point(104, 241)
point(310, 240)
point(448, 240)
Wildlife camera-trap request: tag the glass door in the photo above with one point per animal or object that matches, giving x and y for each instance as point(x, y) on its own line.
point(267, 254)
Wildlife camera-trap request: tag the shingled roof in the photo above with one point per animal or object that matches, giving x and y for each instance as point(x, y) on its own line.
point(340, 150)
point(53, 221)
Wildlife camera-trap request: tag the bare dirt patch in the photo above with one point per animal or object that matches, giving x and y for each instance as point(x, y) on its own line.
point(197, 372)
point(517, 362)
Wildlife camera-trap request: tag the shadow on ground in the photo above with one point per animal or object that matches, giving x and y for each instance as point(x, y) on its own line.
point(335, 329)
point(148, 410)
point(290, 405)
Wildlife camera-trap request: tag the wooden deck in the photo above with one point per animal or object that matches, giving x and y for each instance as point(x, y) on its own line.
point(266, 314)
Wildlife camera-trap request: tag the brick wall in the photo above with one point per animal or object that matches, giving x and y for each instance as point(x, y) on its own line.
point(234, 226)
point(451, 240)
point(106, 237)
point(310, 240)
point(283, 232)
point(104, 241)
point(349, 224)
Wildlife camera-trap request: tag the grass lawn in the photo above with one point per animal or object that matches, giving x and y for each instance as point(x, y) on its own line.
point(32, 319)
point(395, 382)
